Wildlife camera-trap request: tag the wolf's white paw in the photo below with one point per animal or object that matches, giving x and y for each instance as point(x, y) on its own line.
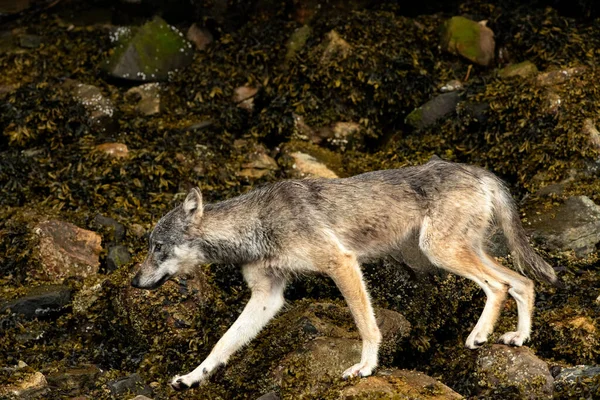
point(184, 382)
point(360, 370)
point(514, 338)
point(476, 340)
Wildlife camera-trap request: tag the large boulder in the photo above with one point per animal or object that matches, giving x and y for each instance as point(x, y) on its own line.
point(149, 53)
point(512, 371)
point(574, 225)
point(66, 250)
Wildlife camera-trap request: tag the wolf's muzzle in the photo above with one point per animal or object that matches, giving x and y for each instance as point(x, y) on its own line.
point(135, 282)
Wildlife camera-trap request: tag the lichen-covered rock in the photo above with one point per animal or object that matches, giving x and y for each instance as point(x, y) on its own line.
point(574, 225)
point(472, 40)
point(150, 53)
point(512, 371)
point(522, 69)
point(399, 384)
point(39, 302)
point(66, 250)
point(435, 109)
point(146, 98)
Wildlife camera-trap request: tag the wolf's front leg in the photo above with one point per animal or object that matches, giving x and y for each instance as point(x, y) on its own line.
point(266, 300)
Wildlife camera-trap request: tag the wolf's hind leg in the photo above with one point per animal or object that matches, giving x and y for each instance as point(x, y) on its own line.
point(266, 300)
point(522, 290)
point(345, 272)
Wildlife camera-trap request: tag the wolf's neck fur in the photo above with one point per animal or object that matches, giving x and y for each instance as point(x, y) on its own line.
point(230, 232)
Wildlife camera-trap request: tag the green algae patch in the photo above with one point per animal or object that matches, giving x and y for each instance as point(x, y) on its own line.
point(149, 53)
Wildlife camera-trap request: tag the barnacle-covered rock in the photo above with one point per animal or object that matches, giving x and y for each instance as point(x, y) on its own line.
point(150, 53)
point(512, 371)
point(66, 250)
point(472, 40)
point(99, 108)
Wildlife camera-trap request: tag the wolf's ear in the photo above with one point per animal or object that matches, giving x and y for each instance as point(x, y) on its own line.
point(193, 203)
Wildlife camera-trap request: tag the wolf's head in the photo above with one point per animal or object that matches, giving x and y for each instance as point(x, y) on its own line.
point(170, 251)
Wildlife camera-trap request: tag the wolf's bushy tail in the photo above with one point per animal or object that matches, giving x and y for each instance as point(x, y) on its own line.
point(525, 257)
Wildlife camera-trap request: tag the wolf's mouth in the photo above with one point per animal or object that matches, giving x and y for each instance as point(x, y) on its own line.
point(136, 282)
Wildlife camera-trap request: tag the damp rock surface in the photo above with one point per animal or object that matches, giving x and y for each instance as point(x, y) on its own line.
point(40, 302)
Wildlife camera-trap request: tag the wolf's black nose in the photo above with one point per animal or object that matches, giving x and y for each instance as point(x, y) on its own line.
point(135, 282)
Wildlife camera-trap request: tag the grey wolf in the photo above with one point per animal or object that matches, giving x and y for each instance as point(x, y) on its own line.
point(331, 226)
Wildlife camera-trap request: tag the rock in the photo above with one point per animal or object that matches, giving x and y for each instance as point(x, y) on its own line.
point(149, 53)
point(589, 128)
point(502, 369)
point(30, 41)
point(40, 301)
point(269, 396)
point(579, 374)
point(138, 230)
point(556, 77)
point(99, 109)
point(401, 384)
point(452, 86)
point(115, 150)
point(92, 291)
point(74, 378)
point(31, 386)
point(66, 250)
point(259, 164)
point(335, 48)
point(435, 109)
point(141, 397)
point(199, 36)
point(118, 229)
point(297, 41)
point(523, 69)
point(147, 97)
point(345, 134)
point(244, 97)
point(118, 256)
point(133, 384)
point(308, 166)
point(574, 225)
point(472, 40)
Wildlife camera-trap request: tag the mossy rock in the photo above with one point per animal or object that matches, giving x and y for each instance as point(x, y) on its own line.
point(522, 69)
point(470, 39)
point(150, 53)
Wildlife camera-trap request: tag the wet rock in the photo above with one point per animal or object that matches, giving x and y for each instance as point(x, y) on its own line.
point(199, 36)
point(574, 225)
point(472, 40)
point(115, 150)
point(66, 250)
point(141, 397)
point(502, 369)
point(344, 135)
point(589, 128)
point(308, 166)
point(269, 396)
point(133, 384)
point(100, 109)
point(452, 86)
point(244, 97)
point(39, 302)
point(556, 77)
point(523, 69)
point(74, 378)
point(149, 53)
point(297, 41)
point(569, 377)
point(146, 98)
point(30, 41)
point(259, 164)
point(118, 256)
point(335, 48)
point(401, 384)
point(434, 110)
point(92, 291)
point(118, 229)
point(31, 386)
